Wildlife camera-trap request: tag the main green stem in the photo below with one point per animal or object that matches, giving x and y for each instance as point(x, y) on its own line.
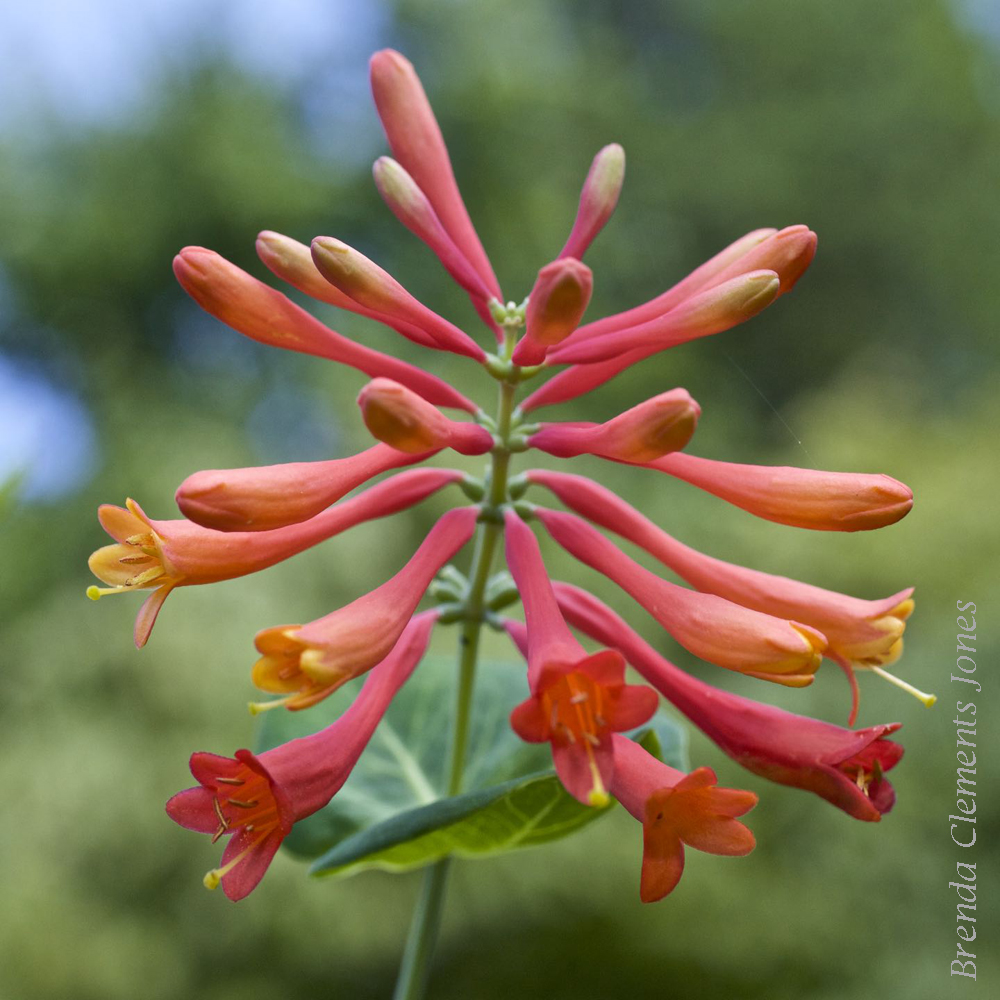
point(415, 967)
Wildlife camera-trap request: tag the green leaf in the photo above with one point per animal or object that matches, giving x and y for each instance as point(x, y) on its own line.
point(391, 815)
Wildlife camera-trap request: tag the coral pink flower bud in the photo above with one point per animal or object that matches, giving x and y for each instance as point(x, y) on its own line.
point(597, 199)
point(802, 498)
point(402, 420)
point(416, 142)
point(256, 799)
point(411, 206)
point(292, 262)
point(787, 257)
point(272, 496)
point(161, 555)
point(716, 309)
point(328, 652)
point(264, 314)
point(648, 431)
point(862, 632)
point(364, 281)
point(577, 701)
point(845, 767)
point(788, 253)
point(710, 627)
point(677, 809)
point(557, 301)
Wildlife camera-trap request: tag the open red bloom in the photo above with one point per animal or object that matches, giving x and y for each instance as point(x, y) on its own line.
point(677, 809)
point(256, 799)
point(844, 766)
point(577, 701)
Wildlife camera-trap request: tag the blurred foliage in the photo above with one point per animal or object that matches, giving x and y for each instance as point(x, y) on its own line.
point(872, 123)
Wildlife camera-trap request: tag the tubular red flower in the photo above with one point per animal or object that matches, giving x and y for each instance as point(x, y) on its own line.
point(255, 799)
point(557, 301)
point(177, 553)
point(648, 431)
point(710, 627)
point(262, 313)
point(416, 142)
point(364, 281)
point(787, 253)
point(845, 767)
point(292, 262)
point(718, 308)
point(413, 208)
point(331, 650)
point(577, 701)
point(862, 632)
point(272, 496)
point(598, 199)
point(802, 498)
point(677, 809)
point(403, 420)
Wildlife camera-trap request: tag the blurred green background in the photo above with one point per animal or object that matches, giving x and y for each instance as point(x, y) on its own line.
point(130, 130)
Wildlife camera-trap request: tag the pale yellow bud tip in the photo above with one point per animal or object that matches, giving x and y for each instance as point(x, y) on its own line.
point(212, 879)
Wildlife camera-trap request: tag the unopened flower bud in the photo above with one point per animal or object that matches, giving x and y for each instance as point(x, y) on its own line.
point(401, 419)
point(416, 141)
point(262, 313)
point(369, 285)
point(716, 309)
point(555, 307)
point(642, 434)
point(413, 208)
point(597, 199)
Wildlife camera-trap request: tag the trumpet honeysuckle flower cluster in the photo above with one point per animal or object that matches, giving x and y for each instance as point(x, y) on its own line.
point(581, 702)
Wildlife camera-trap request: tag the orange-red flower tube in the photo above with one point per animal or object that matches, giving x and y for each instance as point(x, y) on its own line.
point(403, 420)
point(416, 142)
point(557, 301)
point(598, 199)
point(364, 281)
point(677, 809)
point(846, 767)
point(161, 555)
point(646, 432)
point(802, 498)
point(262, 498)
point(710, 627)
point(322, 655)
point(256, 799)
point(262, 313)
point(577, 701)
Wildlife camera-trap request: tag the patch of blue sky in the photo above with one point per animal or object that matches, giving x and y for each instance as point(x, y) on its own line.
point(48, 442)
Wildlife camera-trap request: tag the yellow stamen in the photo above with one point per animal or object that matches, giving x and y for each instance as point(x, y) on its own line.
point(256, 707)
point(218, 812)
point(240, 803)
point(146, 576)
point(229, 781)
point(922, 696)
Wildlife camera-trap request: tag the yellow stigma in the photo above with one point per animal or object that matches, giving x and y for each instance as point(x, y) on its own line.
point(922, 696)
point(598, 797)
point(212, 879)
point(96, 593)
